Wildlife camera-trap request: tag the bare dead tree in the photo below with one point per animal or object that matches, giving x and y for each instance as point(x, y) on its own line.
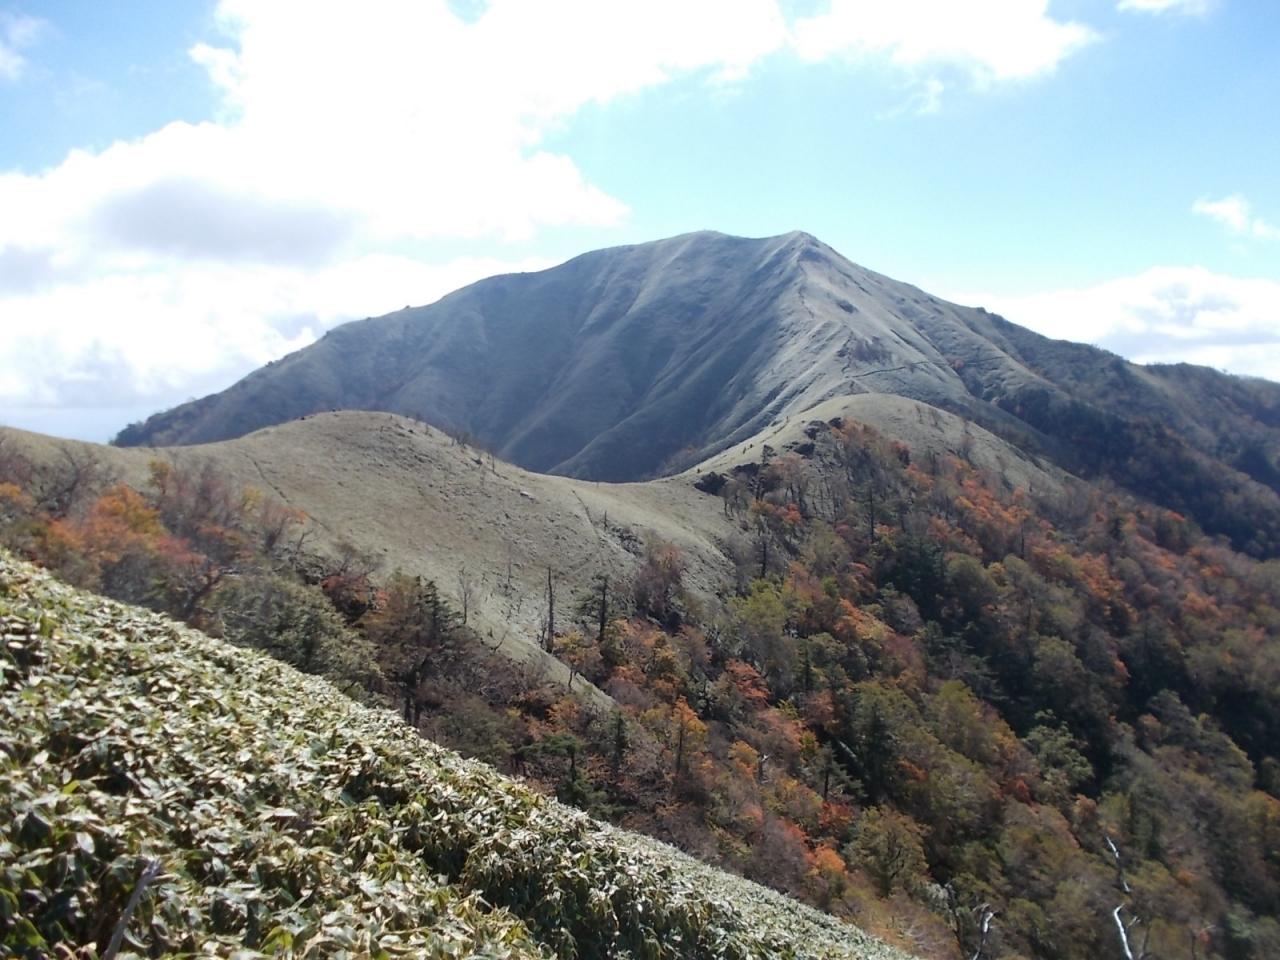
point(149, 873)
point(985, 916)
point(602, 609)
point(466, 591)
point(294, 549)
point(542, 631)
point(1195, 935)
point(1124, 927)
point(77, 474)
point(551, 611)
point(970, 925)
point(513, 607)
point(762, 545)
point(1121, 881)
point(500, 640)
point(680, 750)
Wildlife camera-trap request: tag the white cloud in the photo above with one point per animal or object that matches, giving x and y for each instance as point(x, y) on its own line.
point(1190, 8)
point(168, 265)
point(17, 33)
point(129, 338)
point(1235, 213)
point(989, 40)
point(347, 136)
point(1163, 315)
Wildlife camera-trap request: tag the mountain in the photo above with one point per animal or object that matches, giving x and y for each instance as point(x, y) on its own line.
point(637, 361)
point(181, 795)
point(608, 366)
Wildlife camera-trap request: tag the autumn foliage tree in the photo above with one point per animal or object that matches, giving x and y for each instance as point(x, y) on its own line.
point(413, 630)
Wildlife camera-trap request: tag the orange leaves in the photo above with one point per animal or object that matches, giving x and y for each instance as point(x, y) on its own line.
point(649, 651)
point(828, 877)
point(121, 521)
point(748, 683)
point(920, 480)
point(856, 624)
point(1018, 789)
point(819, 710)
point(14, 500)
point(911, 772)
point(836, 819)
point(58, 545)
point(998, 525)
point(675, 721)
point(744, 757)
point(785, 518)
point(565, 712)
point(951, 537)
point(683, 715)
point(1196, 604)
point(126, 507)
point(826, 862)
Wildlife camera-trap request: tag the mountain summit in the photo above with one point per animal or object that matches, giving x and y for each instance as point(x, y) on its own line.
point(635, 361)
point(611, 365)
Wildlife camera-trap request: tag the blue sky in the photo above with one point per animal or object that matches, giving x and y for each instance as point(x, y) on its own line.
point(189, 189)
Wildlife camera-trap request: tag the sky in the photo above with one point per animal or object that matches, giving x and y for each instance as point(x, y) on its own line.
point(190, 188)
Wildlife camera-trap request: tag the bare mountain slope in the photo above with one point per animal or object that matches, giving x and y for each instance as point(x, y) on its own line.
point(638, 361)
point(621, 361)
point(406, 493)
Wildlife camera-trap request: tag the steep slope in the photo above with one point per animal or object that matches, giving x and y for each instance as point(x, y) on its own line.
point(636, 361)
point(926, 431)
point(408, 495)
point(178, 795)
point(609, 366)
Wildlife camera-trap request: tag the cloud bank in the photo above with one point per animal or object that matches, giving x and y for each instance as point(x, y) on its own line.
point(994, 41)
point(1162, 315)
point(347, 139)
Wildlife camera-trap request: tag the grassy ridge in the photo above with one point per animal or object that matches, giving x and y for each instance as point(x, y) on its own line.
point(278, 817)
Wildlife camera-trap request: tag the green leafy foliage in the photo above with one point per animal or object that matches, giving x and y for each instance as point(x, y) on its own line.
point(283, 819)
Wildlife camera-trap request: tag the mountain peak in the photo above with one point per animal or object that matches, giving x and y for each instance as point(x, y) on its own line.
point(616, 365)
point(636, 361)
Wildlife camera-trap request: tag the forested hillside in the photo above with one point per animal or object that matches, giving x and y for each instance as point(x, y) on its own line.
point(165, 793)
point(977, 721)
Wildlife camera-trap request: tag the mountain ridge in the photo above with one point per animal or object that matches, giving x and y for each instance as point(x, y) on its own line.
point(668, 294)
point(639, 361)
point(403, 492)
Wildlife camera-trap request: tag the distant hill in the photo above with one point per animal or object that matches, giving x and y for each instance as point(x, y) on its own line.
point(180, 795)
point(637, 361)
point(406, 494)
